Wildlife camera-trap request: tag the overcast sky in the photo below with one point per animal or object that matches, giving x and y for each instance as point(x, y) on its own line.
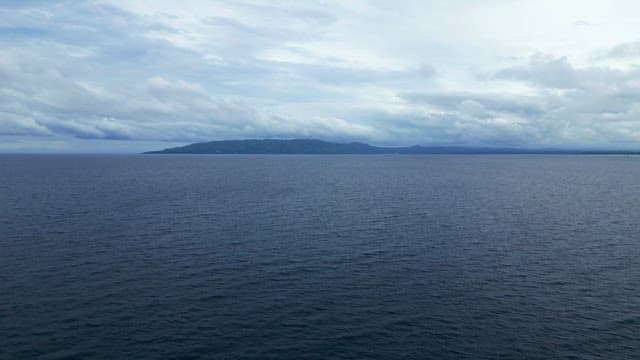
point(126, 76)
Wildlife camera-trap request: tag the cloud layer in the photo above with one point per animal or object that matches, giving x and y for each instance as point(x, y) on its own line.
point(123, 76)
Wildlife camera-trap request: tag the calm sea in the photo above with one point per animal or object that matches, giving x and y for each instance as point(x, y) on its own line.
point(320, 257)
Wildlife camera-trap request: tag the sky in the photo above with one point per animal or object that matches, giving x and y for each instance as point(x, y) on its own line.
point(130, 76)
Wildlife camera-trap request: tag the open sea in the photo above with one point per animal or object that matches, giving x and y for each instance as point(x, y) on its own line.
point(320, 257)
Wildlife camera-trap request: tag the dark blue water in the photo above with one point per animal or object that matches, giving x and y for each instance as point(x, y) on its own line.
point(320, 257)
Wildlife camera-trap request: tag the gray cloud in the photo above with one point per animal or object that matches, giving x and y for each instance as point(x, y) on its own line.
point(89, 85)
point(83, 72)
point(482, 103)
point(568, 106)
point(626, 50)
point(544, 71)
point(558, 73)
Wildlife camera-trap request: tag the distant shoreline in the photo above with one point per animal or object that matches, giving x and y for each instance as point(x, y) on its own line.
point(320, 147)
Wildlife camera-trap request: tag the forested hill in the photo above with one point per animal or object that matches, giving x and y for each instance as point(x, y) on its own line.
point(313, 146)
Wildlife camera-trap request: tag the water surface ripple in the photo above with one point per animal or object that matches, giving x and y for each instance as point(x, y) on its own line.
point(320, 257)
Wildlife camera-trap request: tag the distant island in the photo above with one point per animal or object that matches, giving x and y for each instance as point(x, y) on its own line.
point(314, 146)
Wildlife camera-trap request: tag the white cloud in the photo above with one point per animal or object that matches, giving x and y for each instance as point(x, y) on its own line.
point(396, 73)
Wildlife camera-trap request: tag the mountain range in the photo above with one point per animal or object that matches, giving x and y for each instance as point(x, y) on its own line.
point(314, 146)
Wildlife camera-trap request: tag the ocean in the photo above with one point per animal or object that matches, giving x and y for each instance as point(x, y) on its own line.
point(319, 257)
